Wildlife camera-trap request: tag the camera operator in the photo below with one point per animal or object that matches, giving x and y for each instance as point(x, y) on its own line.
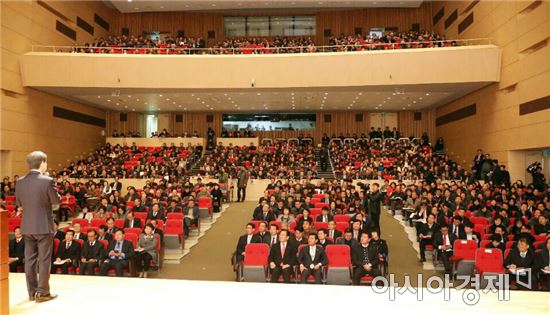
point(539, 182)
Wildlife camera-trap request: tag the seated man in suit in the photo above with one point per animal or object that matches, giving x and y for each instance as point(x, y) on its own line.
point(426, 234)
point(77, 229)
point(521, 263)
point(102, 234)
point(273, 235)
point(118, 253)
point(333, 233)
point(262, 233)
point(282, 258)
point(325, 216)
point(364, 259)
point(92, 252)
point(111, 228)
point(190, 216)
point(470, 234)
point(16, 252)
point(266, 214)
point(497, 243)
point(155, 212)
point(543, 265)
point(457, 228)
point(298, 238)
point(443, 242)
point(68, 254)
point(312, 258)
point(131, 221)
point(347, 239)
point(247, 238)
point(322, 238)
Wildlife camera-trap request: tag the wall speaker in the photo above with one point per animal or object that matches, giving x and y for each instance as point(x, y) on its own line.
point(358, 117)
point(327, 32)
point(181, 33)
point(417, 116)
point(125, 31)
point(358, 31)
point(211, 34)
point(209, 118)
point(328, 118)
point(416, 27)
point(179, 118)
point(123, 117)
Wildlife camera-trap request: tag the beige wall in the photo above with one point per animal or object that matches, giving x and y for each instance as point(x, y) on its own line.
point(522, 30)
point(365, 68)
point(27, 122)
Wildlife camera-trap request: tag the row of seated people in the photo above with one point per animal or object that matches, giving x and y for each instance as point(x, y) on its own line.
point(280, 160)
point(162, 134)
point(258, 45)
point(390, 40)
point(135, 161)
point(100, 250)
point(392, 160)
point(300, 254)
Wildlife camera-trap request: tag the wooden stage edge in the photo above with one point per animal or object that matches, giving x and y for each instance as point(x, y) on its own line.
point(95, 295)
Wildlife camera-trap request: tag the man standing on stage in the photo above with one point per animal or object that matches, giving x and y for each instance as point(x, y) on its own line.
point(35, 192)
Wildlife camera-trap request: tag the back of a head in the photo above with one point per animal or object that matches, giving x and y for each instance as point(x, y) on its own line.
point(35, 159)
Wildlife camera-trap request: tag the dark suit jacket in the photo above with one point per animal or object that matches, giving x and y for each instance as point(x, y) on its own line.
point(320, 218)
point(73, 252)
point(17, 249)
point(352, 243)
point(92, 252)
point(461, 232)
point(268, 218)
point(36, 194)
point(357, 256)
point(337, 234)
point(426, 230)
point(127, 249)
point(438, 239)
point(107, 236)
point(289, 257)
point(515, 258)
point(295, 241)
point(159, 215)
point(116, 186)
point(264, 237)
point(543, 259)
point(241, 244)
point(327, 242)
point(380, 245)
point(60, 235)
point(304, 257)
point(137, 223)
point(374, 203)
point(267, 239)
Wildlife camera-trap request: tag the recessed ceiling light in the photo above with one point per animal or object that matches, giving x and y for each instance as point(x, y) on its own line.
point(179, 106)
point(160, 95)
point(99, 96)
point(137, 99)
point(420, 98)
point(117, 104)
point(129, 0)
point(292, 93)
point(414, 102)
point(389, 98)
point(427, 94)
point(213, 4)
point(108, 100)
point(326, 93)
point(167, 99)
point(125, 106)
point(259, 94)
point(133, 109)
point(185, 108)
point(202, 102)
point(174, 103)
point(129, 95)
point(404, 108)
point(161, 7)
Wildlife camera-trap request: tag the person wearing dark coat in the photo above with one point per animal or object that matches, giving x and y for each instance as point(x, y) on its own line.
point(282, 258)
point(312, 258)
point(375, 199)
point(16, 252)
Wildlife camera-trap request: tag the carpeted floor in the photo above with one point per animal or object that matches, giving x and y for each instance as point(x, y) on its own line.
point(210, 258)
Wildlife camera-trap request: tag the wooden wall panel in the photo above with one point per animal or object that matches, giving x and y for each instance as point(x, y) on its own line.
point(134, 122)
point(410, 127)
point(196, 24)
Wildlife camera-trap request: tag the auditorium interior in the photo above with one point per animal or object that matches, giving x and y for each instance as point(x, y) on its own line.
point(367, 150)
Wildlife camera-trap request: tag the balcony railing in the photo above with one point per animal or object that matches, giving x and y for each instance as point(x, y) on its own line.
point(174, 50)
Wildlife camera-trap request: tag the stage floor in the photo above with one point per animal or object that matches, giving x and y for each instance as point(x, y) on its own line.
point(101, 295)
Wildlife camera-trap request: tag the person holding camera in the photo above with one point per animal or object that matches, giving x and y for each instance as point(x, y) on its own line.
point(539, 182)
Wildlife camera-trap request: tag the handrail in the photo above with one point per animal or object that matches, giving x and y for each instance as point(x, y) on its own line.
point(257, 50)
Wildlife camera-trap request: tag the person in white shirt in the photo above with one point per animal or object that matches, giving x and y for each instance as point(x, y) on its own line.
point(85, 214)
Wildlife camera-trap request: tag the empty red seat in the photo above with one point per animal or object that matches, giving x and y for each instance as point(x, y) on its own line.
point(339, 264)
point(315, 211)
point(320, 225)
point(136, 231)
point(97, 222)
point(321, 205)
point(254, 267)
point(174, 216)
point(119, 223)
point(142, 216)
point(10, 200)
point(342, 218)
point(13, 223)
point(488, 260)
